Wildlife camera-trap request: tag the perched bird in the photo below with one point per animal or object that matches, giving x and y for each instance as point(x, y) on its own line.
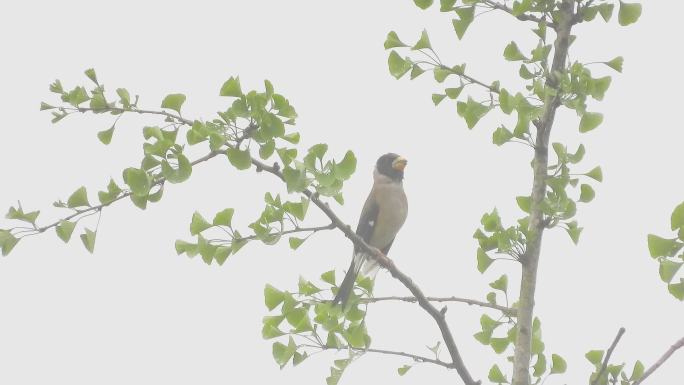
point(382, 216)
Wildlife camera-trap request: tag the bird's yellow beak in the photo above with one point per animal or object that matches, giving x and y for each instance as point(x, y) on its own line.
point(399, 164)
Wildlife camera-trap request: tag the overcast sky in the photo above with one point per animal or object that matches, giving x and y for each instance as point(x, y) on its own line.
point(136, 313)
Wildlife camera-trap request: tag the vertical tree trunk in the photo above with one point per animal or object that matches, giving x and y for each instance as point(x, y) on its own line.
point(530, 260)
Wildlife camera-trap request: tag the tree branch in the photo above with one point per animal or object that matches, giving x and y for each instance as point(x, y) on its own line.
point(292, 231)
point(136, 110)
point(530, 260)
point(503, 309)
point(120, 197)
point(437, 315)
point(606, 360)
point(677, 345)
point(392, 353)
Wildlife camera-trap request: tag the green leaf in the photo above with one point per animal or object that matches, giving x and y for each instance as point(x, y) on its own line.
point(496, 376)
point(629, 13)
point(559, 365)
point(574, 232)
point(540, 366)
point(90, 73)
point(637, 371)
point(346, 167)
point(437, 98)
point(500, 284)
point(106, 136)
point(398, 66)
point(329, 277)
point(512, 52)
point(616, 63)
point(88, 239)
point(471, 111)
point(319, 150)
point(595, 357)
point(173, 102)
point(241, 159)
point(44, 106)
point(283, 353)
point(416, 71)
point(392, 41)
point(7, 242)
point(525, 203)
point(483, 260)
point(19, 214)
point(124, 96)
point(77, 96)
point(198, 224)
point(222, 253)
point(501, 136)
point(599, 87)
point(668, 269)
point(499, 344)
point(590, 120)
point(595, 174)
point(224, 218)
point(98, 103)
point(404, 369)
point(441, 73)
point(661, 247)
point(466, 16)
point(606, 11)
point(587, 193)
point(231, 87)
point(79, 198)
point(272, 297)
point(423, 4)
point(453, 93)
point(520, 7)
point(179, 175)
point(299, 357)
point(295, 242)
point(677, 289)
point(677, 218)
point(64, 230)
point(295, 179)
point(423, 42)
point(299, 319)
point(138, 180)
point(292, 138)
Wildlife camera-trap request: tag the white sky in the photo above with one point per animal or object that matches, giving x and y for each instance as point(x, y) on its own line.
point(135, 313)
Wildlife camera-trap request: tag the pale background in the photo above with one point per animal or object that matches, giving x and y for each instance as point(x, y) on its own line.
point(136, 313)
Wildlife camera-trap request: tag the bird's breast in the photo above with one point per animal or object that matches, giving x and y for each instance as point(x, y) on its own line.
point(392, 212)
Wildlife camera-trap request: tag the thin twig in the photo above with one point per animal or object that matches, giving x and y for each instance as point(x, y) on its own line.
point(393, 353)
point(291, 231)
point(606, 360)
point(99, 207)
point(503, 309)
point(677, 345)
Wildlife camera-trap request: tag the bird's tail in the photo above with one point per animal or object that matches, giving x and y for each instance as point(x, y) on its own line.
point(347, 285)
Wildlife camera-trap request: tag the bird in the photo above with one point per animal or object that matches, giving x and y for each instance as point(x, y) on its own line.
point(382, 216)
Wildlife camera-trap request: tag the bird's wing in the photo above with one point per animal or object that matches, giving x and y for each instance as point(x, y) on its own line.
point(369, 215)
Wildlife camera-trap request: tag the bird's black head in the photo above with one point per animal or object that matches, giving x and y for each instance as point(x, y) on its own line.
point(392, 166)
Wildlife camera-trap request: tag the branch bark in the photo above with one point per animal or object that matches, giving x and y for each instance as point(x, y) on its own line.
point(530, 260)
point(391, 353)
point(503, 309)
point(677, 345)
point(609, 353)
